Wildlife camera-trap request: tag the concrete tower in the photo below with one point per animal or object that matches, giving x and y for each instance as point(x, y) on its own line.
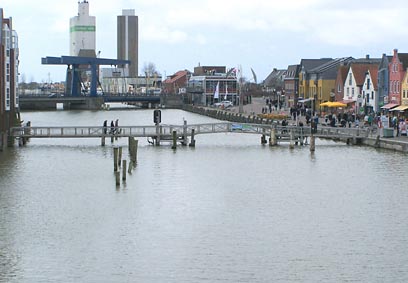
point(82, 32)
point(128, 41)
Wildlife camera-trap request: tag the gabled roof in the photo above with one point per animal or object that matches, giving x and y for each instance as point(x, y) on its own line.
point(385, 60)
point(309, 64)
point(275, 76)
point(360, 70)
point(374, 75)
point(292, 72)
point(178, 75)
point(368, 60)
point(329, 69)
point(342, 72)
point(403, 57)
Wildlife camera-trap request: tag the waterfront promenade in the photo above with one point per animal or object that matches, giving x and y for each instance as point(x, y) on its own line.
point(399, 143)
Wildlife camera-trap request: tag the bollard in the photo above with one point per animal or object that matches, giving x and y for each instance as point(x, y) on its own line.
point(312, 143)
point(192, 143)
point(124, 170)
point(115, 159)
point(174, 146)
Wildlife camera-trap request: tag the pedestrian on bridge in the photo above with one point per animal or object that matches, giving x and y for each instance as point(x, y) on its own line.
point(112, 130)
point(117, 126)
point(105, 127)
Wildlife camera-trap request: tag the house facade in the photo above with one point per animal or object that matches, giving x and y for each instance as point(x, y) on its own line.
point(342, 72)
point(353, 87)
point(291, 85)
point(326, 76)
point(176, 83)
point(309, 88)
point(208, 82)
point(9, 53)
point(397, 68)
point(383, 80)
point(370, 91)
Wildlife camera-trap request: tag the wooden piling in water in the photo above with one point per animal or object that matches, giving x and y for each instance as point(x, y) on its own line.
point(115, 159)
point(312, 143)
point(192, 142)
point(292, 142)
point(117, 178)
point(134, 156)
point(174, 146)
point(120, 157)
point(103, 141)
point(185, 138)
point(272, 139)
point(124, 170)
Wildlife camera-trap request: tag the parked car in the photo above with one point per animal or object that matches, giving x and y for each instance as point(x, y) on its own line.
point(224, 104)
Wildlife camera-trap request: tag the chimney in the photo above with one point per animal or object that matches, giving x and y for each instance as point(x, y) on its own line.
point(368, 56)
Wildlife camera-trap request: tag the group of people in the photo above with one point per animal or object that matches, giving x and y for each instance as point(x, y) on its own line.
point(114, 127)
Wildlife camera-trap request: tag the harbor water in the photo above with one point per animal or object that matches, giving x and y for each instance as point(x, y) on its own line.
point(228, 210)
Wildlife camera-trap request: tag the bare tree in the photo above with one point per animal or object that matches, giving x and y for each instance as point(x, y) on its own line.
point(149, 69)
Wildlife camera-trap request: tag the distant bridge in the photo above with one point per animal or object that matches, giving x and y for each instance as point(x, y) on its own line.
point(82, 102)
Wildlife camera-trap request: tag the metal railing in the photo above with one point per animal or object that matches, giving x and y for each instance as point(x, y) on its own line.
point(207, 128)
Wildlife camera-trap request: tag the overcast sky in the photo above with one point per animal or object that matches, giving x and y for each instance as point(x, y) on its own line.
point(180, 34)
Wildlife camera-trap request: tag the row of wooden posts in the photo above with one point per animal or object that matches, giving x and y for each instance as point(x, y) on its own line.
point(184, 142)
point(118, 163)
point(274, 141)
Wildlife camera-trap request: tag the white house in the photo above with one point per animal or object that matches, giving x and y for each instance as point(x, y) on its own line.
point(354, 84)
point(370, 91)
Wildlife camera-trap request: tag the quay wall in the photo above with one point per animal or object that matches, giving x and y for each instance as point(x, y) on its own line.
point(226, 115)
point(400, 145)
point(388, 143)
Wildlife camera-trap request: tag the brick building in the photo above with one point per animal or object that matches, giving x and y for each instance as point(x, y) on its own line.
point(9, 110)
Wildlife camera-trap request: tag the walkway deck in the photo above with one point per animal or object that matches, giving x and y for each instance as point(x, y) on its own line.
point(186, 130)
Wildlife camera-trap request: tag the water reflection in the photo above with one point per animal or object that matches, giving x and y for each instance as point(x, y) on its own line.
point(228, 210)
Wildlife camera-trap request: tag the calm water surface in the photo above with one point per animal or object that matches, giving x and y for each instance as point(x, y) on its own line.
point(228, 210)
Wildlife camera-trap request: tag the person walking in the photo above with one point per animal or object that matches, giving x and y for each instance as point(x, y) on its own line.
point(117, 126)
point(112, 130)
point(105, 127)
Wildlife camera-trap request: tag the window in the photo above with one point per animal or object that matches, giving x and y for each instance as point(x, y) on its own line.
point(368, 83)
point(339, 88)
point(352, 91)
point(7, 98)
point(350, 79)
point(348, 91)
point(372, 95)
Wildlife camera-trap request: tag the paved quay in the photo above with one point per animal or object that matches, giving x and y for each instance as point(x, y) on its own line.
point(395, 143)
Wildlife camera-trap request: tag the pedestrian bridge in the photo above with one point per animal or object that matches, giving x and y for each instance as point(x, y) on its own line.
point(165, 132)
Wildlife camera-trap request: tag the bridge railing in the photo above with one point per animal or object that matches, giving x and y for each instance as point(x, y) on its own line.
point(208, 128)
